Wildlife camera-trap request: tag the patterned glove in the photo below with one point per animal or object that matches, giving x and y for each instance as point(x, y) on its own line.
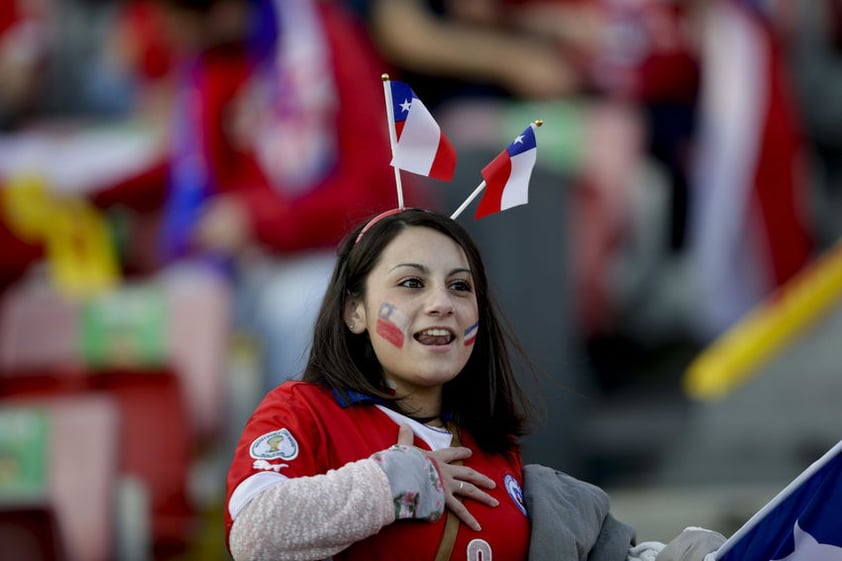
point(416, 486)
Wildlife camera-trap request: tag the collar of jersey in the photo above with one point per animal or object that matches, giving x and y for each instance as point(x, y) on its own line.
point(355, 398)
point(358, 398)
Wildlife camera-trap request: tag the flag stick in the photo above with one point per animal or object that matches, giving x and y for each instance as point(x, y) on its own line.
point(393, 137)
point(481, 186)
point(470, 198)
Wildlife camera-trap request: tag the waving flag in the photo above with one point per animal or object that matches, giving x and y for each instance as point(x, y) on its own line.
point(747, 232)
point(507, 176)
point(803, 523)
point(421, 147)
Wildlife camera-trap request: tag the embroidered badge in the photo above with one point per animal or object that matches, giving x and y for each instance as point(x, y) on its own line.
point(514, 491)
point(275, 444)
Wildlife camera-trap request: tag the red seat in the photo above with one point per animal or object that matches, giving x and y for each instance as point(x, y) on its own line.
point(153, 437)
point(156, 446)
point(71, 514)
point(41, 330)
point(168, 412)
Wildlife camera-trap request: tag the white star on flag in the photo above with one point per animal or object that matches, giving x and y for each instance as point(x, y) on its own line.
point(808, 549)
point(801, 523)
point(418, 143)
point(507, 176)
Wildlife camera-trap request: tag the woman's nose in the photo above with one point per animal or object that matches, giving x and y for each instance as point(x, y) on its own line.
point(440, 301)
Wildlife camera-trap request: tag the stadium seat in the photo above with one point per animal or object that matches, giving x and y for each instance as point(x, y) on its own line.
point(60, 504)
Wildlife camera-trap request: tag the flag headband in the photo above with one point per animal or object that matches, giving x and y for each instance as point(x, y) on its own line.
point(375, 220)
point(419, 146)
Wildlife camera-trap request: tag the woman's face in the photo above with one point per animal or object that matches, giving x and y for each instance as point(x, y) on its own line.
point(420, 311)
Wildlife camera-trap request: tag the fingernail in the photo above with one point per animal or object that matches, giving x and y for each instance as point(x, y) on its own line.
point(477, 528)
point(496, 503)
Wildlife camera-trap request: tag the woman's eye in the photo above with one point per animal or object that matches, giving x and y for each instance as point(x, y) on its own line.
point(462, 286)
point(411, 283)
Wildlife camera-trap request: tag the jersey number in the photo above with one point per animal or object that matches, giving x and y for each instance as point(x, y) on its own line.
point(479, 550)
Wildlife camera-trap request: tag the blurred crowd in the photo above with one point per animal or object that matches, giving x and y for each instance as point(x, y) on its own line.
point(175, 175)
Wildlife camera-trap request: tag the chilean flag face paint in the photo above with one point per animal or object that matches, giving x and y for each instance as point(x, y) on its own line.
point(471, 334)
point(391, 324)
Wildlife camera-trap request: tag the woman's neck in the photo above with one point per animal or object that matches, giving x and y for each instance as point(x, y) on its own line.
point(421, 404)
point(434, 421)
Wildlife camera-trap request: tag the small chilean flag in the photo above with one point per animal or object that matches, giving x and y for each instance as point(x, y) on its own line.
point(421, 145)
point(507, 176)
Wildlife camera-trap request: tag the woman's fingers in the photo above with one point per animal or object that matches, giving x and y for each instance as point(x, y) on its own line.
point(471, 491)
point(461, 512)
point(470, 475)
point(450, 455)
point(460, 482)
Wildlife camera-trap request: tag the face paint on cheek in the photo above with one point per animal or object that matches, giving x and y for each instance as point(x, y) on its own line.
point(391, 324)
point(471, 334)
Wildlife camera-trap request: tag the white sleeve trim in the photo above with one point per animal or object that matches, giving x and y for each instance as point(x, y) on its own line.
point(251, 487)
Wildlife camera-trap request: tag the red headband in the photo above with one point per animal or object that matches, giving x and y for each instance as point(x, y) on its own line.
point(375, 220)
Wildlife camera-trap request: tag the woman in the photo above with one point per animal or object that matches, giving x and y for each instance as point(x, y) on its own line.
point(408, 355)
point(408, 408)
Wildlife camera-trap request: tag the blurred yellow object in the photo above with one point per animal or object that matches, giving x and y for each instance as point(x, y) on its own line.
point(80, 251)
point(740, 352)
point(27, 206)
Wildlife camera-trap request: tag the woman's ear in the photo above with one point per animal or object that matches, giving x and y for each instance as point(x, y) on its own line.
point(354, 315)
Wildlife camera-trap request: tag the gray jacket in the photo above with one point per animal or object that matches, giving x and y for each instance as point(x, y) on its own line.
point(571, 519)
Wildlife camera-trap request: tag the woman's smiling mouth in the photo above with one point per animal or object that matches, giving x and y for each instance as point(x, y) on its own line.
point(435, 336)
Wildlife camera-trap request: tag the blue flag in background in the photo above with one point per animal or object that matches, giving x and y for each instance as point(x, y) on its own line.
point(802, 523)
point(189, 177)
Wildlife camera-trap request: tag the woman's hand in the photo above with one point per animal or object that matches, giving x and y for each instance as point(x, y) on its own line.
point(457, 480)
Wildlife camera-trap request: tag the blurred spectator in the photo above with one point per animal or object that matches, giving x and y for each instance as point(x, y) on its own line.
point(536, 49)
point(449, 49)
point(94, 69)
point(279, 142)
point(23, 45)
point(72, 59)
point(814, 33)
point(277, 138)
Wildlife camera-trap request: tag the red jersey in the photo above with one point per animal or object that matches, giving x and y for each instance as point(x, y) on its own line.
point(301, 429)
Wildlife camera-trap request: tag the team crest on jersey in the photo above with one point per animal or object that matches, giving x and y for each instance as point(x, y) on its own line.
point(514, 491)
point(273, 445)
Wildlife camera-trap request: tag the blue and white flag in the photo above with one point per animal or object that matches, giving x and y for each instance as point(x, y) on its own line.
point(802, 523)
